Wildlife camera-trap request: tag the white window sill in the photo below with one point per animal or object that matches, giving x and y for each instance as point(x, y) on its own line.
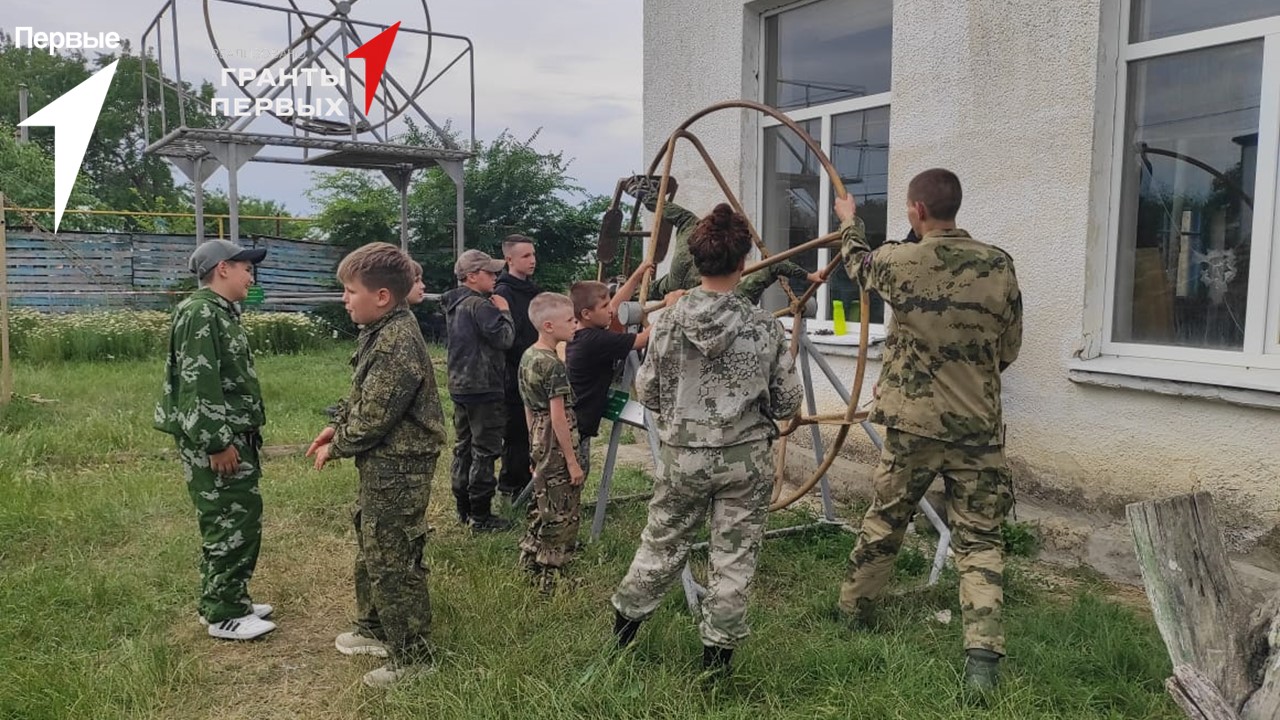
point(1250, 387)
point(846, 345)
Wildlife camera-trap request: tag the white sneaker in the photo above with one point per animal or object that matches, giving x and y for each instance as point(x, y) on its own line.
point(353, 643)
point(243, 628)
point(262, 610)
point(386, 676)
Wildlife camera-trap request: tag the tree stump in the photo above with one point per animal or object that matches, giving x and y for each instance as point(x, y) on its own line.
point(1193, 590)
point(1264, 704)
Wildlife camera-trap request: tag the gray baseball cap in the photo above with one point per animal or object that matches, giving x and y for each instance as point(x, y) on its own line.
point(211, 252)
point(474, 261)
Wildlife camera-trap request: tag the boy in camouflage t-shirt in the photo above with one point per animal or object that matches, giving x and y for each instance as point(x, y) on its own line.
point(212, 406)
point(553, 442)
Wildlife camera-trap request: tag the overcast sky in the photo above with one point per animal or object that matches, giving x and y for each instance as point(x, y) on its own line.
point(569, 67)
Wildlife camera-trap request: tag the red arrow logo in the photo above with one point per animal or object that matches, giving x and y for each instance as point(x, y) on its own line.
point(374, 53)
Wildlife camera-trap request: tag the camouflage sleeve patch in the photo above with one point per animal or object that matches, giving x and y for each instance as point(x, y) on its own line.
point(388, 390)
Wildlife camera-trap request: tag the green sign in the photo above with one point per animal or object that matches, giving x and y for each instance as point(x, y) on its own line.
point(255, 296)
point(617, 400)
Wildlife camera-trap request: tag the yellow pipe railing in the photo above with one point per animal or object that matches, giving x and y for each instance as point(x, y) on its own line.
point(220, 217)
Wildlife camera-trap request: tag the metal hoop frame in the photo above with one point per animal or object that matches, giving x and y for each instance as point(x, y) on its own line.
point(795, 309)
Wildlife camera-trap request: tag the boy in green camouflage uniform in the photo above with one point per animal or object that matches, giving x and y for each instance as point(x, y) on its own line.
point(392, 424)
point(553, 441)
point(683, 273)
point(957, 324)
point(717, 376)
point(212, 406)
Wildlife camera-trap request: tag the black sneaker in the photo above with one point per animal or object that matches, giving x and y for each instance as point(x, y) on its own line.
point(489, 524)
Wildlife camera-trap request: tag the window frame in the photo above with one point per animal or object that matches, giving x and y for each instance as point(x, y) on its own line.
point(1261, 347)
point(824, 112)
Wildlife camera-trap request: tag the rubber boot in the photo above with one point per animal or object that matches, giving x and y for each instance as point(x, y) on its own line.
point(464, 510)
point(716, 659)
point(981, 669)
point(624, 629)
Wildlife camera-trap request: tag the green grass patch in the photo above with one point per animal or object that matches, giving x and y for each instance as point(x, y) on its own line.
point(98, 578)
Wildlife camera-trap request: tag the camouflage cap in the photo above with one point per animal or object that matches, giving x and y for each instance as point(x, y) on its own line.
point(474, 261)
point(211, 252)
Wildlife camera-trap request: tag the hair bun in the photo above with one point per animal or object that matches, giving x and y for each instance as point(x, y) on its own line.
point(722, 215)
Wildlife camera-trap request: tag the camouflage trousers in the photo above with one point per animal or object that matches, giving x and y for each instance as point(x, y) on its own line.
point(478, 430)
point(733, 485)
point(979, 491)
point(556, 509)
point(392, 601)
point(229, 514)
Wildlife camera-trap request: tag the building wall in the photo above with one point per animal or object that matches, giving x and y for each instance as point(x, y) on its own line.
point(1008, 95)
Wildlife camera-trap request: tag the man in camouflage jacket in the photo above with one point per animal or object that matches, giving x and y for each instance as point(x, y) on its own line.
point(212, 406)
point(683, 273)
point(957, 324)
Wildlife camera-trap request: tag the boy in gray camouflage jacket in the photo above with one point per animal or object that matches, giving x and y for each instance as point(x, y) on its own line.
point(718, 375)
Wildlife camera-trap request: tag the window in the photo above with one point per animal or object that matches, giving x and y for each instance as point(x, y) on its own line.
point(1194, 270)
point(827, 64)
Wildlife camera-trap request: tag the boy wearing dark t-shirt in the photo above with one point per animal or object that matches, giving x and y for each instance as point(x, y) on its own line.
point(593, 355)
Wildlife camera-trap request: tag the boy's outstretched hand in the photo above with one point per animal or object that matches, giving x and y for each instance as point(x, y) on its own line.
point(320, 447)
point(324, 438)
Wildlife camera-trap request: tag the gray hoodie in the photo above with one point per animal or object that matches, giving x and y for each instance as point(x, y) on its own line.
point(717, 372)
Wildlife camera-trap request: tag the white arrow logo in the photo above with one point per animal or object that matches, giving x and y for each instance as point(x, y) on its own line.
point(72, 117)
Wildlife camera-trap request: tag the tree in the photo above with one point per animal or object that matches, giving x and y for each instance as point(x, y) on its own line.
point(26, 179)
point(510, 188)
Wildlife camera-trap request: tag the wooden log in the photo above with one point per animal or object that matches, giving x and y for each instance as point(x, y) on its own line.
point(1196, 695)
point(1192, 589)
point(1264, 704)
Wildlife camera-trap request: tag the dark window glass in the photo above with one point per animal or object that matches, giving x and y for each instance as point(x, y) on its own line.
point(1191, 143)
point(792, 178)
point(1154, 19)
point(827, 51)
point(860, 152)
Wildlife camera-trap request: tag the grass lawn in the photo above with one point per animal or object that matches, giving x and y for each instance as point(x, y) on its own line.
point(98, 551)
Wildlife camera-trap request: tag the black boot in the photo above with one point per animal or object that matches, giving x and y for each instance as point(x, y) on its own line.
point(981, 669)
point(716, 660)
point(464, 510)
point(623, 629)
point(484, 521)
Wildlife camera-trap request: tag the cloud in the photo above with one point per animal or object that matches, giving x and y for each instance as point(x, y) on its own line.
point(572, 68)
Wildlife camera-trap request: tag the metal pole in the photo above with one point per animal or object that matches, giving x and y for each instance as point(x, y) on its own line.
point(6, 370)
point(198, 197)
point(405, 173)
point(461, 211)
point(23, 93)
point(233, 192)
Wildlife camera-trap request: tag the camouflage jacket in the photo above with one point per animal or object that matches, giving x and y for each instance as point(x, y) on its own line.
point(957, 322)
point(717, 372)
point(211, 391)
point(479, 335)
point(683, 273)
point(393, 412)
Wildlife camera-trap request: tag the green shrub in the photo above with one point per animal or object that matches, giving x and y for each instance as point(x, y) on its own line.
point(133, 334)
